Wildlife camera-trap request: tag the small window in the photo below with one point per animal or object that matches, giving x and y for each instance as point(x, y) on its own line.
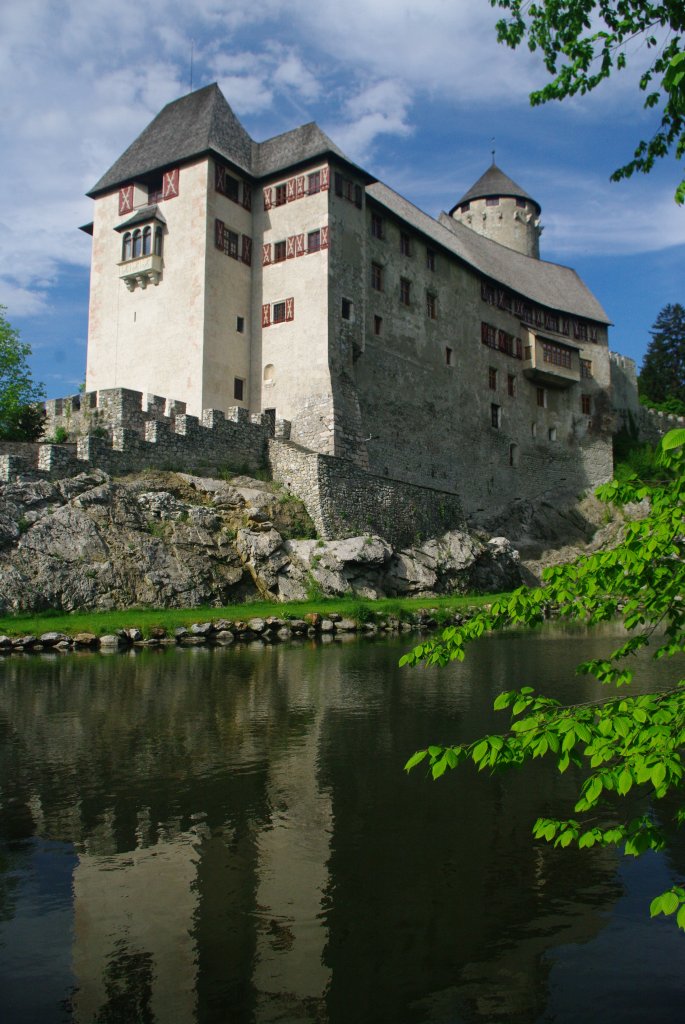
point(448, 356)
point(313, 241)
point(137, 244)
point(238, 388)
point(541, 398)
point(533, 430)
point(465, 207)
point(231, 243)
point(147, 240)
point(377, 277)
point(513, 455)
point(405, 244)
point(377, 325)
point(492, 378)
point(126, 247)
point(240, 324)
point(586, 405)
point(338, 183)
point(521, 203)
point(158, 241)
point(552, 433)
point(346, 309)
point(376, 225)
point(511, 385)
point(279, 312)
point(314, 183)
point(586, 368)
point(431, 306)
point(430, 259)
point(269, 373)
point(281, 194)
point(492, 201)
point(495, 416)
point(405, 291)
point(279, 252)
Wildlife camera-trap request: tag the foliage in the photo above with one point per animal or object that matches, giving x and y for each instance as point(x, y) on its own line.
point(635, 458)
point(624, 743)
point(19, 418)
point(672, 405)
point(662, 377)
point(584, 41)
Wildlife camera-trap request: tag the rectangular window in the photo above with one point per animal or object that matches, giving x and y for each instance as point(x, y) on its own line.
point(405, 244)
point(521, 203)
point(314, 183)
point(231, 243)
point(431, 306)
point(281, 194)
point(313, 241)
point(377, 325)
point(495, 416)
point(580, 330)
point(511, 385)
point(279, 312)
point(492, 378)
point(492, 201)
point(238, 388)
point(405, 291)
point(586, 405)
point(541, 398)
point(377, 277)
point(279, 252)
point(346, 309)
point(448, 356)
point(552, 433)
point(430, 259)
point(488, 335)
point(586, 368)
point(376, 225)
point(338, 183)
point(557, 355)
point(240, 324)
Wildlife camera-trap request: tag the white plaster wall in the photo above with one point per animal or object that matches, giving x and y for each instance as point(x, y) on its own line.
point(227, 296)
point(152, 340)
point(298, 350)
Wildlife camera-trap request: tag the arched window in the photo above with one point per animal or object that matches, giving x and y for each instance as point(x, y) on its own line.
point(147, 241)
point(137, 243)
point(126, 247)
point(269, 373)
point(158, 241)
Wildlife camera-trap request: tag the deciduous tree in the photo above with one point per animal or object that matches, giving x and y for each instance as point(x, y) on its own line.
point(20, 419)
point(622, 743)
point(583, 42)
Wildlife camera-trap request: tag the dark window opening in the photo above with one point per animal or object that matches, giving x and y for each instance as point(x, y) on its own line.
point(238, 388)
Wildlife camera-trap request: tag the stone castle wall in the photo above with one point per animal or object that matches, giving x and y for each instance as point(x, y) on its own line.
point(649, 425)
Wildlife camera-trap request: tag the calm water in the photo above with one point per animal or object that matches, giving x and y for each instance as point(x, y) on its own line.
point(227, 836)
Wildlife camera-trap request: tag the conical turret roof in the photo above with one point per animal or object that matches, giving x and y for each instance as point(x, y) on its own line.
point(494, 183)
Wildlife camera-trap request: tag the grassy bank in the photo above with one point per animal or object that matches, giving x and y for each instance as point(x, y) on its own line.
point(144, 619)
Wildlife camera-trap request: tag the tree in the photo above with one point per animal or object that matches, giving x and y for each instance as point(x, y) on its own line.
point(622, 743)
point(662, 376)
point(20, 418)
point(584, 41)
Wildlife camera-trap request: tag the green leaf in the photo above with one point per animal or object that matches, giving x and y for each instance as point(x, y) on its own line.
point(415, 759)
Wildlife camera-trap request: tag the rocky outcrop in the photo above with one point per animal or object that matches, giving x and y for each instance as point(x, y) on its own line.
point(176, 540)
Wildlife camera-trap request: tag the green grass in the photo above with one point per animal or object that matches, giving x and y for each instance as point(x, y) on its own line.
point(144, 618)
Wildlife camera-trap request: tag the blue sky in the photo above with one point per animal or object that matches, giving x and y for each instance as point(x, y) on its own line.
point(415, 93)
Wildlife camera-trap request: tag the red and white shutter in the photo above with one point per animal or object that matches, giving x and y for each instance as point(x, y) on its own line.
point(219, 233)
point(247, 250)
point(126, 200)
point(300, 187)
point(266, 314)
point(324, 236)
point(268, 197)
point(266, 254)
point(290, 248)
point(299, 245)
point(290, 309)
point(170, 184)
point(220, 178)
point(247, 195)
point(325, 178)
point(290, 190)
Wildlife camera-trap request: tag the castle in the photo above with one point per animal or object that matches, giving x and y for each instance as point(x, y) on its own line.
point(280, 282)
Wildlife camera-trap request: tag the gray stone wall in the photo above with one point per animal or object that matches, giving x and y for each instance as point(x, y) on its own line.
point(346, 501)
point(646, 424)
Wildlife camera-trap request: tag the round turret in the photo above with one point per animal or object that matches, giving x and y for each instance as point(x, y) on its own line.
point(501, 210)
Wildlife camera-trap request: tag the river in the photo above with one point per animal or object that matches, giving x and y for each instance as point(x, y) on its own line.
point(226, 835)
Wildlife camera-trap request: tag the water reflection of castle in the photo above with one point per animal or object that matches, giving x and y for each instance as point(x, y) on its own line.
point(246, 841)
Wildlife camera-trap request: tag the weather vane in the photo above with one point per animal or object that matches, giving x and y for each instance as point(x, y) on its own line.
point(492, 140)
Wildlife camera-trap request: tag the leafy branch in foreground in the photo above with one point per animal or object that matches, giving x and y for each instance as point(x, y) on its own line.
point(622, 743)
point(583, 42)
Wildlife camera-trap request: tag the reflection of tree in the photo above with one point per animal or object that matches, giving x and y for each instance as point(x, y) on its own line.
point(128, 983)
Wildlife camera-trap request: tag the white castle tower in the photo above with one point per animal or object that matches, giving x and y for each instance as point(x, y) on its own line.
point(501, 210)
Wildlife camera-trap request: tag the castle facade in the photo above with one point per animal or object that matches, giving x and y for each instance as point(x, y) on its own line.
point(283, 279)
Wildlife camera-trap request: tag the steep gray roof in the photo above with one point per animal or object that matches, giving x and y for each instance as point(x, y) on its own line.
point(549, 284)
point(494, 183)
point(203, 122)
point(145, 213)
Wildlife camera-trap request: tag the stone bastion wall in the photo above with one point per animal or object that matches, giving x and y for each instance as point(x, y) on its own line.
point(646, 424)
point(121, 431)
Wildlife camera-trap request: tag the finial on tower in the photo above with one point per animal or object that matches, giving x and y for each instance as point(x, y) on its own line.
point(492, 140)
